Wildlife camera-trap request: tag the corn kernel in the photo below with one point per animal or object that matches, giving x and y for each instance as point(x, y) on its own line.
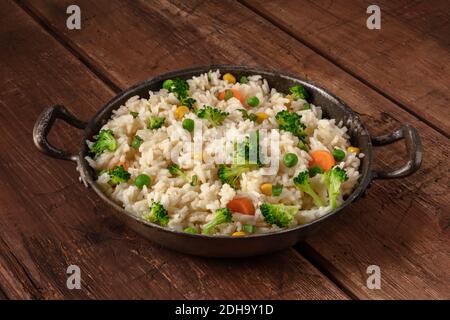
point(261, 116)
point(238, 233)
point(353, 149)
point(229, 77)
point(290, 98)
point(266, 188)
point(180, 112)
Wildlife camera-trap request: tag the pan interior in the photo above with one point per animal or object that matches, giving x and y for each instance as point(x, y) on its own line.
point(332, 107)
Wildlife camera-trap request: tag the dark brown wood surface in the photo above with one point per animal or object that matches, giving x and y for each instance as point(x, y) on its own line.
point(406, 60)
point(49, 220)
point(402, 225)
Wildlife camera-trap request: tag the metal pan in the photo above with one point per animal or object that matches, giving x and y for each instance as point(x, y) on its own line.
point(225, 246)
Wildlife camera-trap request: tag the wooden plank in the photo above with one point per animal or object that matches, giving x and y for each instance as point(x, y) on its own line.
point(402, 60)
point(430, 18)
point(14, 280)
point(44, 227)
point(402, 225)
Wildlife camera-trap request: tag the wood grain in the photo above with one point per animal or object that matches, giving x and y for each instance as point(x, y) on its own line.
point(49, 221)
point(403, 60)
point(3, 295)
point(402, 225)
point(431, 18)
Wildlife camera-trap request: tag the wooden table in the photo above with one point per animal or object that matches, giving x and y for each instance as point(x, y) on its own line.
point(399, 74)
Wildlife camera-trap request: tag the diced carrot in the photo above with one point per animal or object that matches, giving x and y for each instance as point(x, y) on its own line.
point(323, 159)
point(221, 95)
point(242, 205)
point(236, 94)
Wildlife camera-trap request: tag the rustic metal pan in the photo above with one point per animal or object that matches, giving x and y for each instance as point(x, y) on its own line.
point(225, 246)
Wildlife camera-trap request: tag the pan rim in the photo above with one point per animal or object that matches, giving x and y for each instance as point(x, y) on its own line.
point(84, 169)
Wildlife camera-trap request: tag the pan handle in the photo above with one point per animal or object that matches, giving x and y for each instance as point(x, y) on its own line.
point(413, 146)
point(45, 123)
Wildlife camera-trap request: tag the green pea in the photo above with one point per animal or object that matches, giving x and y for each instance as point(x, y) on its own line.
point(190, 230)
point(249, 228)
point(243, 80)
point(306, 106)
point(290, 160)
point(338, 154)
point(253, 101)
point(277, 190)
point(167, 84)
point(188, 124)
point(136, 143)
point(142, 180)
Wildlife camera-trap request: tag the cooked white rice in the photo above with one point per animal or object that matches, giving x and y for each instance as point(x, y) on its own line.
point(194, 206)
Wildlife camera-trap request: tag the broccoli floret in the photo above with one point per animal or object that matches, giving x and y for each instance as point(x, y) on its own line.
point(136, 142)
point(243, 80)
point(213, 115)
point(315, 170)
point(190, 230)
point(118, 175)
point(222, 215)
point(168, 84)
point(302, 145)
point(248, 115)
point(155, 122)
point(248, 152)
point(290, 121)
point(232, 174)
point(188, 102)
point(299, 92)
point(181, 90)
point(176, 171)
point(158, 214)
point(278, 214)
point(302, 182)
point(177, 86)
point(333, 179)
point(105, 141)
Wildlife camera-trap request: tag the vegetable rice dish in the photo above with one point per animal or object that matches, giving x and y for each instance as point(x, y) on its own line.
point(216, 155)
